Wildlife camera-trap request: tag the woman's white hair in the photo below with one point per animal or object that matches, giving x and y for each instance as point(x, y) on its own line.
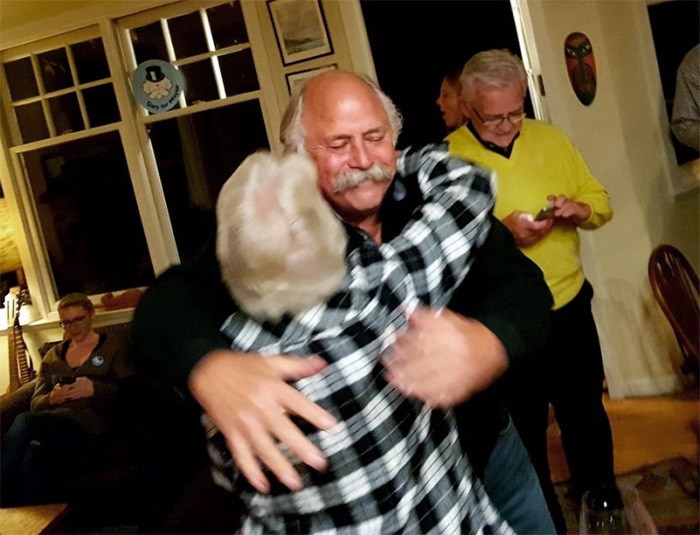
point(280, 247)
point(493, 68)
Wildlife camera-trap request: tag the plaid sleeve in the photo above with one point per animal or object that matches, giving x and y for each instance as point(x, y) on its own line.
point(434, 252)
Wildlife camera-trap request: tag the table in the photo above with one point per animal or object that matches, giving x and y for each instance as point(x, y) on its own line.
point(31, 519)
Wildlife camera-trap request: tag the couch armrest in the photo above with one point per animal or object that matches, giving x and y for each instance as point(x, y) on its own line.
point(14, 403)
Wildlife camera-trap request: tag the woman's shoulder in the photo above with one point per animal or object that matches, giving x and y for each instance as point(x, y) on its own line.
point(111, 343)
point(53, 350)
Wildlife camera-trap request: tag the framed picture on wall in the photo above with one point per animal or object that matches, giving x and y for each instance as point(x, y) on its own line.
point(300, 29)
point(296, 78)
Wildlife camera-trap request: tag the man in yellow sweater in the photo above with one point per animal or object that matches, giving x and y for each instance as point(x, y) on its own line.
point(545, 194)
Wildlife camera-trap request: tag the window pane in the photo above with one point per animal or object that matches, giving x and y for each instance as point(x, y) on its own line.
point(187, 34)
point(227, 25)
point(90, 60)
point(20, 79)
point(238, 72)
point(196, 154)
point(101, 105)
point(88, 216)
point(149, 43)
point(55, 70)
point(201, 85)
point(32, 124)
point(66, 114)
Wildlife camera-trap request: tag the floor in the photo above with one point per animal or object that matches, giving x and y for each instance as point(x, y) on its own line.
point(645, 431)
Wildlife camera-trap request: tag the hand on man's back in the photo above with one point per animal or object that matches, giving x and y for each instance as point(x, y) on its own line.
point(249, 400)
point(444, 358)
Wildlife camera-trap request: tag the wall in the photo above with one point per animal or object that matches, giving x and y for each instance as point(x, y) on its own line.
point(334, 13)
point(21, 20)
point(624, 137)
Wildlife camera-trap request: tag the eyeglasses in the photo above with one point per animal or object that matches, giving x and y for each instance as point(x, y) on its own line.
point(496, 120)
point(69, 323)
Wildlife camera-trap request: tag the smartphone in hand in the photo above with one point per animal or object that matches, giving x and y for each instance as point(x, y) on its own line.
point(546, 213)
point(66, 381)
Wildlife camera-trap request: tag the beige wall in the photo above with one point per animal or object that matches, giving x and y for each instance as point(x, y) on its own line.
point(24, 19)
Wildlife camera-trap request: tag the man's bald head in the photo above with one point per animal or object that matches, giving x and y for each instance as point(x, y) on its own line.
point(292, 132)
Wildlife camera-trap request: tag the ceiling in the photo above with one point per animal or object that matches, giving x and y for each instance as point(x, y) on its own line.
point(14, 13)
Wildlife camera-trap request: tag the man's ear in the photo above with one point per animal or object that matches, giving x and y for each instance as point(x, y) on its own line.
point(465, 109)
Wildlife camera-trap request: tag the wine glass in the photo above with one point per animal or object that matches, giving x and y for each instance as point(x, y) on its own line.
point(615, 509)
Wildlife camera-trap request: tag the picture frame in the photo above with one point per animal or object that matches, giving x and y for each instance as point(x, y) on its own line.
point(296, 78)
point(300, 29)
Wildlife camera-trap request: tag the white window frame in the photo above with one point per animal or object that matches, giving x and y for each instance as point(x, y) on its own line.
point(132, 130)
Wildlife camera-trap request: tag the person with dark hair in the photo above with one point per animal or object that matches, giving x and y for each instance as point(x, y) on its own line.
point(450, 100)
point(71, 409)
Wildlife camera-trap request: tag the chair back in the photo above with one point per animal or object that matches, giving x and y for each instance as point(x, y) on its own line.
point(675, 285)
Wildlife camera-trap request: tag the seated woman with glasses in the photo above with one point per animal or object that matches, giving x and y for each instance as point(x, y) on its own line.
point(71, 409)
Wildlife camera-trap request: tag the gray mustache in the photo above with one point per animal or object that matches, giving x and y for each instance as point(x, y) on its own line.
point(350, 179)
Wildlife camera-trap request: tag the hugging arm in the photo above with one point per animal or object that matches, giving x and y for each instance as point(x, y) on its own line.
point(252, 413)
point(177, 339)
point(423, 264)
point(437, 246)
point(501, 322)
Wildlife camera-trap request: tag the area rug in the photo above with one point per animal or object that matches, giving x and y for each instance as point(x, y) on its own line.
point(669, 489)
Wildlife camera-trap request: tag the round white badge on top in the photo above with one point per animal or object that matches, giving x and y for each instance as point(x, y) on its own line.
point(157, 85)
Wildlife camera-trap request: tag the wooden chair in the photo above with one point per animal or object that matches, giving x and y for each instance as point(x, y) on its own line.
point(675, 285)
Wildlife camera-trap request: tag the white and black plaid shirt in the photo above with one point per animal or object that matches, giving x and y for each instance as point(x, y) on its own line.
point(394, 464)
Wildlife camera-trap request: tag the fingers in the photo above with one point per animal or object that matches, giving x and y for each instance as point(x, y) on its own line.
point(423, 318)
point(260, 448)
point(292, 401)
point(249, 400)
point(248, 465)
point(423, 390)
point(444, 359)
point(407, 358)
point(302, 447)
point(289, 434)
point(256, 440)
point(293, 368)
point(298, 404)
point(395, 377)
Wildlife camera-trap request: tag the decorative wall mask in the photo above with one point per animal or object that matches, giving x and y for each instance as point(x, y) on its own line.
point(580, 63)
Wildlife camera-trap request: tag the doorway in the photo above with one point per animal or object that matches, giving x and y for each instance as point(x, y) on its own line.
point(433, 37)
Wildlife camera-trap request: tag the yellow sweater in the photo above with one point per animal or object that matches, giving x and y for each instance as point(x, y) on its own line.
point(543, 162)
